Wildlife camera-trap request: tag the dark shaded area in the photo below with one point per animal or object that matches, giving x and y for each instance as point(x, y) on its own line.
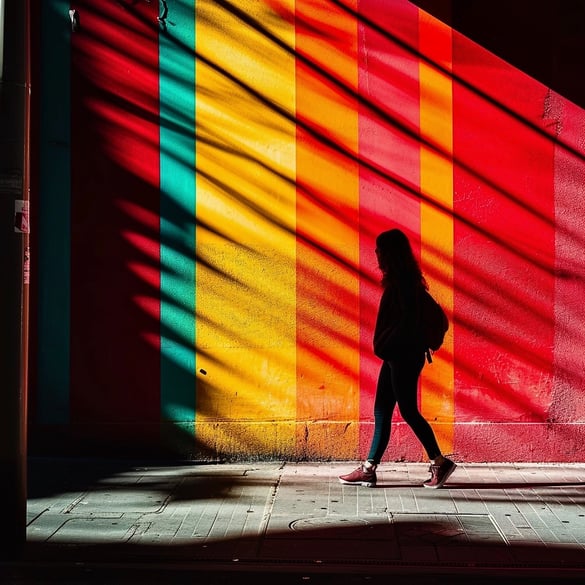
point(184, 564)
point(175, 575)
point(544, 39)
point(50, 476)
point(138, 442)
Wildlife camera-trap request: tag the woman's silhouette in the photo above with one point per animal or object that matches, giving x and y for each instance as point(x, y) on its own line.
point(403, 285)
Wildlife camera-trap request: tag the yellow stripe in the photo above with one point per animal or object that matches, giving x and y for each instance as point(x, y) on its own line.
point(246, 340)
point(436, 168)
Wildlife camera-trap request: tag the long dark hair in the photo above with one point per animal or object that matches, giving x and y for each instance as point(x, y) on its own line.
point(397, 262)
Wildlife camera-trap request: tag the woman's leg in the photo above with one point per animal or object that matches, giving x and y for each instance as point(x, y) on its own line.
point(404, 374)
point(383, 410)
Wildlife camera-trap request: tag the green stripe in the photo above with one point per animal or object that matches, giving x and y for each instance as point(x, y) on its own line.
point(177, 213)
point(53, 262)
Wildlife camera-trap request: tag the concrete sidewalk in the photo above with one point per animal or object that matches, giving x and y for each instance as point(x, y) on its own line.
point(296, 521)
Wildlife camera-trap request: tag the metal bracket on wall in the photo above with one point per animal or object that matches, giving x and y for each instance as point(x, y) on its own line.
point(162, 17)
point(75, 24)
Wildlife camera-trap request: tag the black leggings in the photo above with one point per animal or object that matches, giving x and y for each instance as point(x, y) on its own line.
point(398, 384)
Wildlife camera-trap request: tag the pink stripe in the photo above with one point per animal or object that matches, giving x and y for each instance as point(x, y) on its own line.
point(568, 404)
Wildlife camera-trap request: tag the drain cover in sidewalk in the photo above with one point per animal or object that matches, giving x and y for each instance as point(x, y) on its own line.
point(343, 527)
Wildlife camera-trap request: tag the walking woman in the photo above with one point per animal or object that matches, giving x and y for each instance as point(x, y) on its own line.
point(398, 313)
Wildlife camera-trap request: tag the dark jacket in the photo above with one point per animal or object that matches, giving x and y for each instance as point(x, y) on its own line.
point(397, 324)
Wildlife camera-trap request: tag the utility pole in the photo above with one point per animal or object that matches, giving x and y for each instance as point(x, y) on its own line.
point(14, 267)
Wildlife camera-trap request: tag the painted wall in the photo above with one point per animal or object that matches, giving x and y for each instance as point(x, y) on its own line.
point(211, 181)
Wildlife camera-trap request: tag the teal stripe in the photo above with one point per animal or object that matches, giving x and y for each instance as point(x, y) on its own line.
point(177, 213)
point(53, 262)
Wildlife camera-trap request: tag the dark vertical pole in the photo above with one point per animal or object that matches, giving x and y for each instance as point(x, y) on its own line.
point(14, 269)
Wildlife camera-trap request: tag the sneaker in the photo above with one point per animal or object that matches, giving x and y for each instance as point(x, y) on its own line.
point(440, 474)
point(360, 476)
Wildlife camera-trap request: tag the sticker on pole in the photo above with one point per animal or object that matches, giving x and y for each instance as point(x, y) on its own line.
point(26, 267)
point(21, 217)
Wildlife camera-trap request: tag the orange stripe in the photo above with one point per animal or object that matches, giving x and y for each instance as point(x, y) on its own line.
point(327, 231)
point(436, 169)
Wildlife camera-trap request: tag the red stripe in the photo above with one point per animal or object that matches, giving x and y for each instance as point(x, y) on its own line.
point(504, 243)
point(115, 214)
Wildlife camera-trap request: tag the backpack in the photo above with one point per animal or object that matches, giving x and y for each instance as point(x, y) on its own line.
point(434, 324)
